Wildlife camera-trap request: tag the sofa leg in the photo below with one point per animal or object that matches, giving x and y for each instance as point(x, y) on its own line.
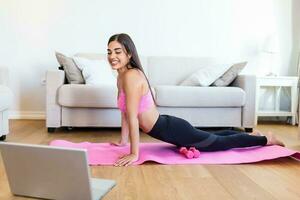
point(51, 130)
point(69, 128)
point(248, 130)
point(3, 137)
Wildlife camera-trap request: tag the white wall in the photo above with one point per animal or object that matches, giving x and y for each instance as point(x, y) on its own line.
point(295, 32)
point(32, 30)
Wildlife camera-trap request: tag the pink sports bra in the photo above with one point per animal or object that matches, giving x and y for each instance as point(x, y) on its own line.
point(145, 102)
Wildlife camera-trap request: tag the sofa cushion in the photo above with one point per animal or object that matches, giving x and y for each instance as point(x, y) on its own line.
point(6, 97)
point(230, 75)
point(189, 96)
point(73, 73)
point(95, 72)
point(206, 75)
point(88, 96)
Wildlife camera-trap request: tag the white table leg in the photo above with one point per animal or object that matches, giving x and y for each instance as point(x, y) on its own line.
point(294, 101)
point(257, 103)
point(277, 98)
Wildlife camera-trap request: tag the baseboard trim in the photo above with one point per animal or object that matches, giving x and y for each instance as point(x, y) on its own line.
point(38, 115)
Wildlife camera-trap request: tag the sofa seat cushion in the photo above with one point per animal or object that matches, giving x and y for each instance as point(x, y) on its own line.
point(89, 96)
point(190, 96)
point(6, 97)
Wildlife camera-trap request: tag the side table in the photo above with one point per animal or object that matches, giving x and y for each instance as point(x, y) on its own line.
point(278, 82)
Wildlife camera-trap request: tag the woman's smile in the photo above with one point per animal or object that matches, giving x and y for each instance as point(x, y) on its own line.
point(114, 62)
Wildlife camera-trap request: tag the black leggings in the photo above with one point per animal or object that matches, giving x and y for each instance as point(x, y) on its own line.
point(181, 133)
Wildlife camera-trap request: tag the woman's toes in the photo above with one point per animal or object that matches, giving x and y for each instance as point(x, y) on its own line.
point(272, 140)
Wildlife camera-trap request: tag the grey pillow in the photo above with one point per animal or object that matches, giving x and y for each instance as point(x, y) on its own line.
point(229, 75)
point(73, 73)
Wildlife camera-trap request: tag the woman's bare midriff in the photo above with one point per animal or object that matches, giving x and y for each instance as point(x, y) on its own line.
point(147, 119)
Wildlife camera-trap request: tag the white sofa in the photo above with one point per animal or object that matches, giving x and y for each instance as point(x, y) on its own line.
point(80, 105)
point(5, 101)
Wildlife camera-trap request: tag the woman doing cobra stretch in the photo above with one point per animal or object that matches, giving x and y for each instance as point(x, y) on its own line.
point(138, 110)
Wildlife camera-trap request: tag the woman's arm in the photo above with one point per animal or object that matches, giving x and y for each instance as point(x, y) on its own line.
point(133, 92)
point(124, 124)
point(124, 131)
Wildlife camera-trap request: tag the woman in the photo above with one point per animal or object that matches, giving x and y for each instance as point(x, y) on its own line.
point(136, 102)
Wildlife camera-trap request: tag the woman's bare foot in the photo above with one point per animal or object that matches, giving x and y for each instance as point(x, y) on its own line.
point(272, 140)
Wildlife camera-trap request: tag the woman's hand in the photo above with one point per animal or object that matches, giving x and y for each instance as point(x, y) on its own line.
point(119, 143)
point(126, 160)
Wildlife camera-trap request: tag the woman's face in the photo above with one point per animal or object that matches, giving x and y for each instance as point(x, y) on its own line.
point(117, 55)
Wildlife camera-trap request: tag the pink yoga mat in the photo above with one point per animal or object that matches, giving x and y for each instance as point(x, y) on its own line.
point(107, 154)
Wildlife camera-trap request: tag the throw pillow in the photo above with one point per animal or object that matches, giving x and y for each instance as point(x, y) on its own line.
point(206, 75)
point(229, 75)
point(73, 73)
point(95, 72)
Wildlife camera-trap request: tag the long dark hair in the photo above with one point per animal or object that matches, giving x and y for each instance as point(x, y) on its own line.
point(134, 60)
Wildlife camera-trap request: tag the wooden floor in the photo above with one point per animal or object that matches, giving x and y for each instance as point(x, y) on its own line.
point(276, 179)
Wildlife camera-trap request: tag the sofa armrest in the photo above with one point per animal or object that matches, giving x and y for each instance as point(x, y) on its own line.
point(248, 84)
point(4, 76)
point(54, 80)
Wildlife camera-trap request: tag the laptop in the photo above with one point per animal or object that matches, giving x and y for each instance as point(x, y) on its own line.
point(51, 172)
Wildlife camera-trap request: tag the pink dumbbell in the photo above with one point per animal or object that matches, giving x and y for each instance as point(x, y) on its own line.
point(195, 151)
point(189, 154)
